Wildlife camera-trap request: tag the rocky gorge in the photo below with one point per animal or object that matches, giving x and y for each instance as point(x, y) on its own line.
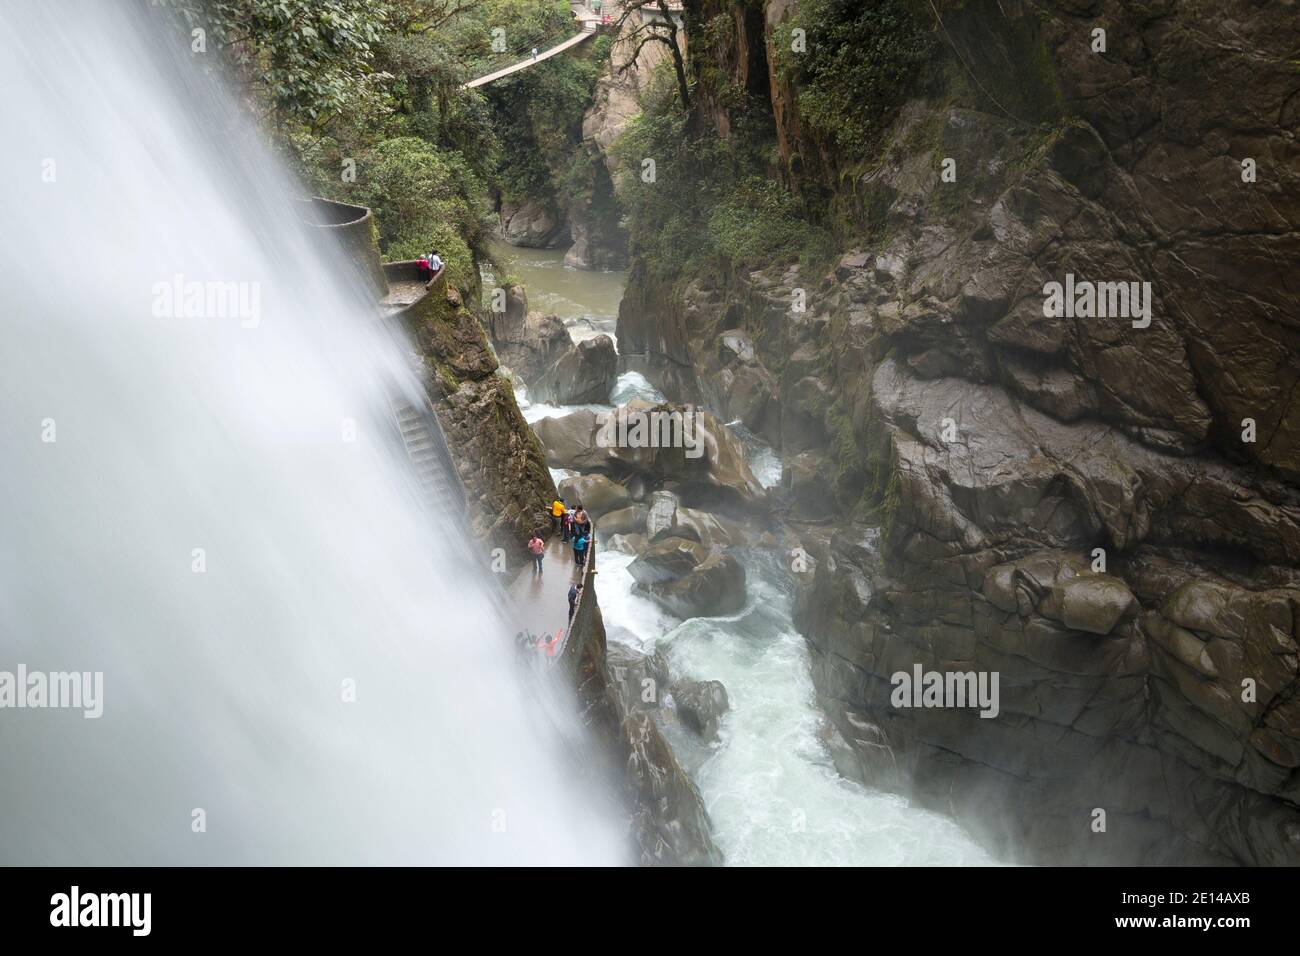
point(1106, 515)
point(1099, 503)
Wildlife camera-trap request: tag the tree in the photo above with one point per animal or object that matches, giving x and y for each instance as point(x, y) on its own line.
point(303, 61)
point(648, 30)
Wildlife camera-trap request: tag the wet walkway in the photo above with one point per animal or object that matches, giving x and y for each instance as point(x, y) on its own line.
point(542, 603)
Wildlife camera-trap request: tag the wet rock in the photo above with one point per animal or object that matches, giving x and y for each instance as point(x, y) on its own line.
point(681, 533)
point(498, 460)
point(567, 438)
point(596, 493)
point(629, 520)
point(528, 343)
point(532, 225)
point(667, 560)
point(807, 486)
point(668, 821)
point(584, 374)
point(1095, 604)
point(689, 580)
point(663, 512)
point(701, 706)
point(717, 478)
point(1201, 606)
point(627, 543)
point(640, 680)
point(712, 530)
point(672, 827)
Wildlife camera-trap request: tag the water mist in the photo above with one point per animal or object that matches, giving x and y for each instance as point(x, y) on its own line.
point(299, 665)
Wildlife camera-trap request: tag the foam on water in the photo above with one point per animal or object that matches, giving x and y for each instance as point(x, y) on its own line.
point(770, 788)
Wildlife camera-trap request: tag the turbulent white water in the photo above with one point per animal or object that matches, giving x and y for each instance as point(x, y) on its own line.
point(769, 785)
point(184, 509)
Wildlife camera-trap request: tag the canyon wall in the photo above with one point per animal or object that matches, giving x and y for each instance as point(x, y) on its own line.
point(497, 456)
point(1103, 511)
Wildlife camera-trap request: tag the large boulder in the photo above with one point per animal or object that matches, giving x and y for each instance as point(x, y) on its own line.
point(528, 343)
point(627, 543)
point(744, 387)
point(640, 680)
point(670, 822)
point(662, 513)
point(667, 560)
point(713, 531)
point(532, 225)
point(707, 466)
point(568, 438)
point(1095, 603)
point(701, 705)
point(629, 520)
point(596, 493)
point(688, 580)
point(583, 374)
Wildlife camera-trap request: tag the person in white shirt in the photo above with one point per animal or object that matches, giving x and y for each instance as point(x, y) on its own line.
point(435, 263)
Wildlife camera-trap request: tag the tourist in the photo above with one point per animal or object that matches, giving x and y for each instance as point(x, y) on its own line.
point(538, 548)
point(580, 549)
point(574, 591)
point(566, 525)
point(534, 53)
point(435, 263)
point(557, 513)
point(581, 522)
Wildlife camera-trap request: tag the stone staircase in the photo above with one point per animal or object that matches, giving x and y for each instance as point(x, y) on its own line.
point(428, 455)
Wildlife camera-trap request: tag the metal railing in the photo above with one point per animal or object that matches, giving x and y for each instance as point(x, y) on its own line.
point(569, 653)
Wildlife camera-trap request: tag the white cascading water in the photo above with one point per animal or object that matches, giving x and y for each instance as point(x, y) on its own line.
point(180, 511)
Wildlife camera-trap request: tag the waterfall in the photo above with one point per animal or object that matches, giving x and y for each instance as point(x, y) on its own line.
point(201, 500)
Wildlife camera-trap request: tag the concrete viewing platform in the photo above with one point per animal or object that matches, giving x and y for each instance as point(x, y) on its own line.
point(541, 602)
point(406, 286)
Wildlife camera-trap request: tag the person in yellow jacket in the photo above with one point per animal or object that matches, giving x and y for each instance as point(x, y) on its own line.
point(557, 512)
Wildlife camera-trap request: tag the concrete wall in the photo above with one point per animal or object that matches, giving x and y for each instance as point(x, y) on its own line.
point(354, 229)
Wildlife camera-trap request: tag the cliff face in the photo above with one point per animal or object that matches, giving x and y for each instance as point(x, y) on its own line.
point(499, 459)
point(1101, 511)
point(668, 823)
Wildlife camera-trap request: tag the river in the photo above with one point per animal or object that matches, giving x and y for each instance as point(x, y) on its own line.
point(771, 790)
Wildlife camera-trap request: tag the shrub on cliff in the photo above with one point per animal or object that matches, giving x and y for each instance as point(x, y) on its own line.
point(706, 199)
point(860, 62)
point(423, 198)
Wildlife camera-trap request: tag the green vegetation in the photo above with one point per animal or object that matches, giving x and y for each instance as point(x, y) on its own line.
point(538, 118)
point(712, 202)
point(861, 61)
point(364, 99)
point(424, 198)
